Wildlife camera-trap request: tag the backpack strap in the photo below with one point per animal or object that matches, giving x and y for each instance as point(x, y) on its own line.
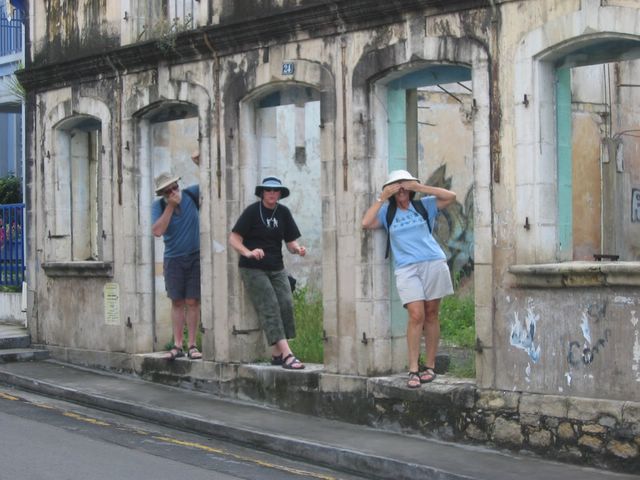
point(391, 213)
point(420, 208)
point(189, 193)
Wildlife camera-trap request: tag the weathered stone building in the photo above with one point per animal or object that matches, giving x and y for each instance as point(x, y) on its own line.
point(542, 147)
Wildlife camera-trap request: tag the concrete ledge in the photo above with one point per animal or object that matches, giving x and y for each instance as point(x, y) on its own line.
point(577, 274)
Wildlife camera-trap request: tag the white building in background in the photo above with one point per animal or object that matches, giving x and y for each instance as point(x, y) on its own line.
point(11, 102)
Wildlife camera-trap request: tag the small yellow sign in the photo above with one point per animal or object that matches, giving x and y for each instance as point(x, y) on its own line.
point(112, 304)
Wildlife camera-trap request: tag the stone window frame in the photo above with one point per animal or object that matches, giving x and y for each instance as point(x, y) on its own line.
point(539, 262)
point(58, 260)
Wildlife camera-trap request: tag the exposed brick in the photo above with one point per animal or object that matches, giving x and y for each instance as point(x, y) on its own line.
point(475, 433)
point(498, 400)
point(593, 428)
point(507, 431)
point(591, 442)
point(531, 420)
point(566, 431)
point(549, 405)
point(622, 449)
point(590, 410)
point(541, 438)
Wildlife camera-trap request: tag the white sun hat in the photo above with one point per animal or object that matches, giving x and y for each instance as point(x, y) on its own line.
point(399, 176)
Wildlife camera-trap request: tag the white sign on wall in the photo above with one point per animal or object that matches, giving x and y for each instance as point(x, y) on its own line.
point(112, 304)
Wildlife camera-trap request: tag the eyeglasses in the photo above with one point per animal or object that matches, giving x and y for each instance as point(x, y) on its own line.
point(170, 189)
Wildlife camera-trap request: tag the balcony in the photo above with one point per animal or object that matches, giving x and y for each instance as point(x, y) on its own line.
point(10, 31)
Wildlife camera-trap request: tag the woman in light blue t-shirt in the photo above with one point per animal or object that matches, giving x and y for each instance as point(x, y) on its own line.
point(422, 274)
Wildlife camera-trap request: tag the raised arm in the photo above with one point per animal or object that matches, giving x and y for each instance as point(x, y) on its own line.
point(370, 220)
point(443, 196)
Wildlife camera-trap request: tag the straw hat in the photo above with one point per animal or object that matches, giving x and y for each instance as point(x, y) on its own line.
point(164, 180)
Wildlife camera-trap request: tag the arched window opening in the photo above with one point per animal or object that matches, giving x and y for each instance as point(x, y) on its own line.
point(76, 190)
point(597, 131)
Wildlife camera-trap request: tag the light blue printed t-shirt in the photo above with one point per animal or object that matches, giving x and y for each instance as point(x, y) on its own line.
point(411, 241)
point(182, 236)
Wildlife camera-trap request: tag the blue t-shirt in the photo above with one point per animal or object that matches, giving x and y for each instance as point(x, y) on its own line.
point(411, 241)
point(182, 236)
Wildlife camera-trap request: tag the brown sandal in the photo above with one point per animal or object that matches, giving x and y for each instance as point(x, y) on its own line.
point(174, 353)
point(427, 375)
point(194, 353)
point(414, 380)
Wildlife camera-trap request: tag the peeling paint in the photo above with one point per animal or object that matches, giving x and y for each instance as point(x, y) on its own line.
point(624, 300)
point(636, 356)
point(522, 336)
point(634, 319)
point(567, 375)
point(586, 331)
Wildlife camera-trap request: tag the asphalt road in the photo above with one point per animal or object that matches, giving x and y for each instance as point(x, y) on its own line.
point(47, 439)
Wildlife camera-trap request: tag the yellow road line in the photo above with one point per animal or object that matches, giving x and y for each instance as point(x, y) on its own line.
point(6, 396)
point(262, 463)
point(90, 420)
point(199, 446)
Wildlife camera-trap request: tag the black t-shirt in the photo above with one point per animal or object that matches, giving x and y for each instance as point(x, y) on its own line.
point(261, 227)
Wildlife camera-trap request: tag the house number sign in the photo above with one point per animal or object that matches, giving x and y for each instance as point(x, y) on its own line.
point(288, 68)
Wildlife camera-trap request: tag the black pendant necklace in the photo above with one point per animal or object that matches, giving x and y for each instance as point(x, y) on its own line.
point(270, 222)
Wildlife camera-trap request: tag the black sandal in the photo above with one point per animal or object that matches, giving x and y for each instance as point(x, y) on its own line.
point(276, 359)
point(414, 380)
point(174, 353)
point(427, 374)
point(294, 361)
point(194, 353)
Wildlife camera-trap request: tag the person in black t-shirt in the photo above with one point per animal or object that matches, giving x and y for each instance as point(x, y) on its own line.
point(257, 236)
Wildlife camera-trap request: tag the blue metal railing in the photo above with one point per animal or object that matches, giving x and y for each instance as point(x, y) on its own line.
point(10, 31)
point(12, 267)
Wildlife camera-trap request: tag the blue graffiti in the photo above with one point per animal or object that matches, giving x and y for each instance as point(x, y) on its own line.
point(522, 336)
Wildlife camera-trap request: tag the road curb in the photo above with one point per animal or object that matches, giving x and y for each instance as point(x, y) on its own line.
point(354, 462)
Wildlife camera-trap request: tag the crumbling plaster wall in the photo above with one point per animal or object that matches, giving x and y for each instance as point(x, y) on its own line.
point(555, 325)
point(502, 47)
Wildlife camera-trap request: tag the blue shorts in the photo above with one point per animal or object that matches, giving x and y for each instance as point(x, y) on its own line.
point(182, 277)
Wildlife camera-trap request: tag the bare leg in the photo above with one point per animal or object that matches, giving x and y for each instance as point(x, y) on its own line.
point(432, 330)
point(414, 332)
point(177, 319)
point(193, 320)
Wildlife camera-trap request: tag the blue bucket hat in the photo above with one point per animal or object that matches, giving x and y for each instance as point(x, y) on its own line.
point(272, 182)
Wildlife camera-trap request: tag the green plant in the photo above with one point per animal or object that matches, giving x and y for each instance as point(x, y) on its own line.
point(457, 320)
point(165, 32)
point(308, 345)
point(10, 289)
point(14, 86)
point(463, 368)
point(10, 190)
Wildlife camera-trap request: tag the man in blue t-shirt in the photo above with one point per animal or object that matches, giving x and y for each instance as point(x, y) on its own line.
point(175, 218)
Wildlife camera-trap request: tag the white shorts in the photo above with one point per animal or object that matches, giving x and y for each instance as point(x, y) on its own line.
point(423, 281)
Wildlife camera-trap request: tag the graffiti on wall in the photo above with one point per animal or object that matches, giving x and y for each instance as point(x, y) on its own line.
point(585, 352)
point(523, 334)
point(454, 227)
